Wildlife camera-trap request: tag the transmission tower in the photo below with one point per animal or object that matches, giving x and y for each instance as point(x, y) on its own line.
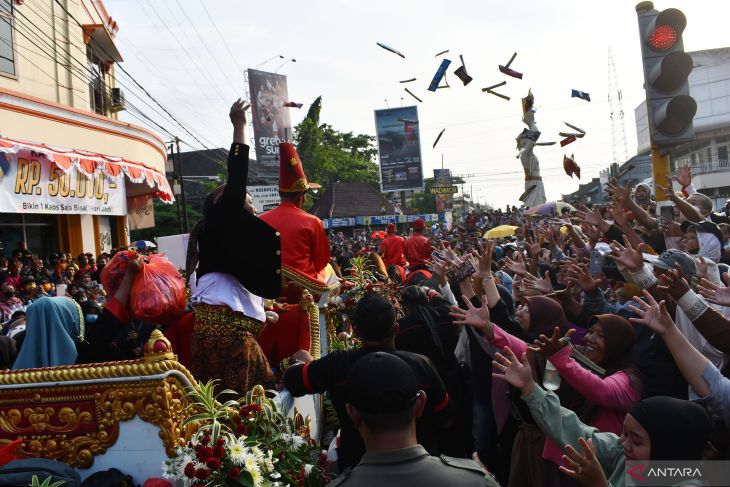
point(615, 101)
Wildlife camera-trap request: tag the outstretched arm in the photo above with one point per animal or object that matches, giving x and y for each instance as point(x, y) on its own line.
point(689, 360)
point(235, 190)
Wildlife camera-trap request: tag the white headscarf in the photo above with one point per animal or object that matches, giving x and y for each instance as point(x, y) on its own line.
point(710, 246)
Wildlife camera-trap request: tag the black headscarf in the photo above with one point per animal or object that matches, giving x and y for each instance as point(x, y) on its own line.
point(678, 430)
point(416, 302)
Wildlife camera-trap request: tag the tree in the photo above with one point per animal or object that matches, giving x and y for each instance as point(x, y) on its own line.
point(424, 201)
point(331, 156)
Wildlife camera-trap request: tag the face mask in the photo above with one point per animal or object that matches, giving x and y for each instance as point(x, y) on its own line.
point(9, 294)
point(91, 318)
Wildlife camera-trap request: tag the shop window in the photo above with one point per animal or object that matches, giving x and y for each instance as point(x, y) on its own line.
point(98, 99)
point(7, 53)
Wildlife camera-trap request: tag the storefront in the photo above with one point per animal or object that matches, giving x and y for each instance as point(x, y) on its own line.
point(69, 179)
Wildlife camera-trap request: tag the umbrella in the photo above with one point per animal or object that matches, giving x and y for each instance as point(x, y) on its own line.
point(501, 231)
point(549, 208)
point(143, 244)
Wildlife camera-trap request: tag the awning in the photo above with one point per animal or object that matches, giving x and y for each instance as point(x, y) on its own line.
point(90, 164)
point(107, 50)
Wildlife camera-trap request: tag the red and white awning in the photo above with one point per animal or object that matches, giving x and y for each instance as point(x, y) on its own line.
point(90, 163)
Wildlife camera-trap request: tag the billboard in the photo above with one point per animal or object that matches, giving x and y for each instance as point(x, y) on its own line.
point(444, 190)
point(399, 149)
point(271, 122)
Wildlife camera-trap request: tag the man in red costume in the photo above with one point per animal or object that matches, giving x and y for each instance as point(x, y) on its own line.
point(305, 250)
point(392, 249)
point(418, 248)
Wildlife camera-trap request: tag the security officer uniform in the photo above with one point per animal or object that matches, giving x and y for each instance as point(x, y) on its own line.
point(383, 384)
point(414, 466)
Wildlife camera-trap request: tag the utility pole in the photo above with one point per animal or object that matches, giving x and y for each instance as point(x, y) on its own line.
point(184, 225)
point(175, 185)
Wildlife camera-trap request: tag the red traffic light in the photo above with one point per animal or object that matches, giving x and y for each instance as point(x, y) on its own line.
point(663, 38)
point(666, 30)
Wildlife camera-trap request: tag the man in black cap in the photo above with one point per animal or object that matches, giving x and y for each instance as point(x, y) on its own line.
point(375, 324)
point(383, 402)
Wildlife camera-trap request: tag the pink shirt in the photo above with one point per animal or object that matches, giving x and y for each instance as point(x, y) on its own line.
point(614, 394)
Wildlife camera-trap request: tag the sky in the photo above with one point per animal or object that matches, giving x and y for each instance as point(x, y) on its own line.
point(191, 56)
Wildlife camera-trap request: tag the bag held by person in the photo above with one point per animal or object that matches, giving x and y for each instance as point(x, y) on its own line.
point(114, 271)
point(158, 292)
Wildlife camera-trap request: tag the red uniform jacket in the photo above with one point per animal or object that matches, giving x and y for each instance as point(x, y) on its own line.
point(305, 248)
point(393, 249)
point(418, 250)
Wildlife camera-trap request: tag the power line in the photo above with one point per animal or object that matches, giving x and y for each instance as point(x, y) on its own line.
point(223, 40)
point(193, 61)
point(84, 76)
point(133, 79)
point(205, 45)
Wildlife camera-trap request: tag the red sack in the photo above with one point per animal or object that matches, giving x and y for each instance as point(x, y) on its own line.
point(158, 292)
point(113, 273)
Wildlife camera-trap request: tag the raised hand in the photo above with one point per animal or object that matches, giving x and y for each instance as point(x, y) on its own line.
point(652, 314)
point(620, 193)
point(533, 248)
point(542, 285)
point(714, 293)
point(477, 318)
point(684, 176)
point(485, 257)
point(674, 283)
point(517, 267)
point(627, 256)
point(592, 217)
point(584, 468)
point(513, 370)
point(238, 112)
point(554, 344)
point(579, 275)
point(668, 189)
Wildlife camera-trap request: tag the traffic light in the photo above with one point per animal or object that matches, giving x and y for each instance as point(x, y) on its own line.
point(670, 109)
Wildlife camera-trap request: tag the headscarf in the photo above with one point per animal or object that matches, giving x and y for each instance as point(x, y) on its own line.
point(545, 315)
point(644, 201)
point(619, 337)
point(416, 302)
point(678, 429)
point(54, 326)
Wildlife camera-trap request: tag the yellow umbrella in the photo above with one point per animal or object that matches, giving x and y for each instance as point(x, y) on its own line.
point(501, 231)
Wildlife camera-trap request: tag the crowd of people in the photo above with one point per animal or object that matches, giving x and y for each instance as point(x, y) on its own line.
point(26, 278)
point(585, 340)
point(551, 357)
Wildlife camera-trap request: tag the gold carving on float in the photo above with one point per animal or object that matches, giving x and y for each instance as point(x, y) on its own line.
point(72, 423)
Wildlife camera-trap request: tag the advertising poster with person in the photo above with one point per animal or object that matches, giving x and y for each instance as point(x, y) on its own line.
point(399, 149)
point(271, 122)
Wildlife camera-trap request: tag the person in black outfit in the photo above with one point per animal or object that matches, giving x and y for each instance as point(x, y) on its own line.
point(375, 324)
point(236, 258)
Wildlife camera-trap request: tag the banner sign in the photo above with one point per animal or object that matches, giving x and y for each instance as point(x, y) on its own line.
point(141, 212)
point(265, 198)
point(399, 149)
point(30, 183)
point(338, 223)
point(441, 190)
point(271, 122)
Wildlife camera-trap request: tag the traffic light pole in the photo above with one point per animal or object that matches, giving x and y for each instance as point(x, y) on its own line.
point(661, 170)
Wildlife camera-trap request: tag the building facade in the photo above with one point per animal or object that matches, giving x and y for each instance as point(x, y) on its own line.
point(70, 171)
